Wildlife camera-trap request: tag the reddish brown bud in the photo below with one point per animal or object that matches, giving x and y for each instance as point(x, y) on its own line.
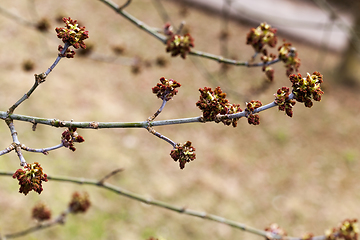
point(166, 90)
point(41, 213)
point(79, 203)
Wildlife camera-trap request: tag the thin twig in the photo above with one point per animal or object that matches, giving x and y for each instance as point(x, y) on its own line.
point(134, 20)
point(159, 135)
point(101, 181)
point(158, 111)
point(16, 142)
point(8, 149)
point(41, 150)
point(163, 39)
point(39, 78)
point(143, 124)
point(171, 207)
point(59, 220)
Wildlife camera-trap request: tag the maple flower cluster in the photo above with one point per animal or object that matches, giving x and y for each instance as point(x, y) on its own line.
point(347, 230)
point(307, 88)
point(73, 35)
point(212, 103)
point(250, 107)
point(69, 136)
point(178, 44)
point(41, 213)
point(265, 58)
point(283, 101)
point(166, 90)
point(289, 56)
point(262, 35)
point(79, 203)
point(183, 153)
point(30, 178)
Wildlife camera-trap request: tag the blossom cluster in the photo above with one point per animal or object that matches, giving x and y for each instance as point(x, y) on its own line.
point(250, 107)
point(265, 58)
point(176, 43)
point(72, 34)
point(307, 88)
point(212, 103)
point(166, 90)
point(283, 101)
point(69, 136)
point(289, 56)
point(347, 230)
point(79, 203)
point(41, 212)
point(262, 35)
point(30, 178)
point(183, 153)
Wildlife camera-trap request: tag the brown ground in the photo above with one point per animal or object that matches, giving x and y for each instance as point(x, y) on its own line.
point(299, 172)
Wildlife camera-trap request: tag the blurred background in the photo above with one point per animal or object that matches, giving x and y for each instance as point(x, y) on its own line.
point(300, 172)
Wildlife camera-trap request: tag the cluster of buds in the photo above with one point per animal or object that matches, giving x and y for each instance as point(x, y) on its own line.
point(72, 34)
point(212, 103)
point(79, 203)
point(274, 229)
point(260, 36)
point(289, 56)
point(265, 58)
point(30, 178)
point(184, 153)
point(283, 101)
point(41, 213)
point(177, 44)
point(307, 88)
point(250, 107)
point(347, 230)
point(69, 53)
point(69, 136)
point(166, 90)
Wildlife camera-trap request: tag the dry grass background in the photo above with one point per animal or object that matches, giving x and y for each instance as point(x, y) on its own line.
point(300, 172)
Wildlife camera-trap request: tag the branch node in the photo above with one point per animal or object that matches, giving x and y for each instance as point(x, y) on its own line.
point(94, 125)
point(124, 6)
point(40, 78)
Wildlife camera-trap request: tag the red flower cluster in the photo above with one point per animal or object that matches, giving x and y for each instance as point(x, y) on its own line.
point(250, 107)
point(347, 230)
point(30, 178)
point(276, 230)
point(265, 58)
point(260, 36)
point(41, 213)
point(166, 89)
point(69, 53)
point(184, 153)
point(283, 101)
point(69, 136)
point(212, 103)
point(307, 88)
point(79, 203)
point(288, 55)
point(178, 44)
point(72, 34)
